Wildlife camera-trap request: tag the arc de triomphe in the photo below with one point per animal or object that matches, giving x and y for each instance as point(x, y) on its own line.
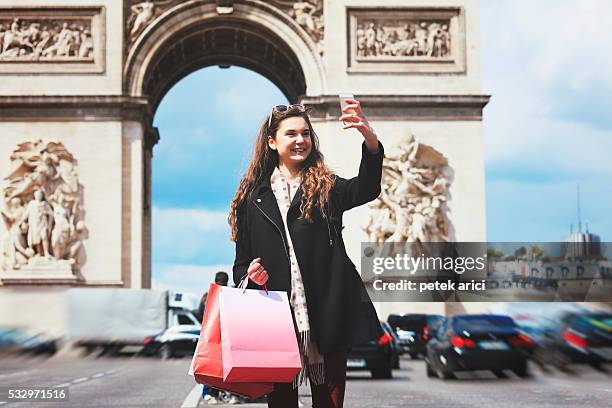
point(80, 82)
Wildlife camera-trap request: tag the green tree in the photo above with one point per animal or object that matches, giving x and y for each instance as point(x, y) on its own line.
point(536, 252)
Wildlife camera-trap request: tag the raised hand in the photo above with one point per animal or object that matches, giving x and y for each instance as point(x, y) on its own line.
point(353, 114)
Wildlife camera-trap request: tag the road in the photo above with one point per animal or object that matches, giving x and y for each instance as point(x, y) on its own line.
point(101, 382)
point(133, 381)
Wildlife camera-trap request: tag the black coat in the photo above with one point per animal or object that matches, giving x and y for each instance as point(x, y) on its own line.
point(340, 311)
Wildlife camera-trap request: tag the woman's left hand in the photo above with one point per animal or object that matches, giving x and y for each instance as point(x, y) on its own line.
point(353, 114)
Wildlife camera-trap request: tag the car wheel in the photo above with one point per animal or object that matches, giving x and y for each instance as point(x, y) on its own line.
point(499, 373)
point(600, 367)
point(541, 357)
point(110, 350)
point(87, 350)
point(444, 374)
point(414, 356)
point(430, 372)
point(384, 371)
point(165, 352)
point(560, 360)
point(521, 370)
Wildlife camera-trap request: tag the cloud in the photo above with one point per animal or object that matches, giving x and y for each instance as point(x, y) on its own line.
point(548, 124)
point(538, 144)
point(157, 284)
point(542, 67)
point(184, 153)
point(187, 278)
point(248, 94)
point(191, 235)
point(558, 41)
point(542, 212)
point(199, 219)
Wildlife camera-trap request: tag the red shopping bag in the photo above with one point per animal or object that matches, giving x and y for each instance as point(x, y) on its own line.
point(207, 363)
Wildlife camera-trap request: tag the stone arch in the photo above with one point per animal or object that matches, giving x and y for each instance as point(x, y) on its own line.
point(193, 35)
point(99, 99)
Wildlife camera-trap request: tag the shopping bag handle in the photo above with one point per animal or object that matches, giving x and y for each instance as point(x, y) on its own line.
point(244, 282)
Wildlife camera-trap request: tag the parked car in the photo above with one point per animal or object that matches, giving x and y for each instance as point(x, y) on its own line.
point(579, 337)
point(395, 344)
point(413, 331)
point(19, 341)
point(433, 323)
point(377, 356)
point(477, 342)
point(539, 323)
point(534, 351)
point(173, 342)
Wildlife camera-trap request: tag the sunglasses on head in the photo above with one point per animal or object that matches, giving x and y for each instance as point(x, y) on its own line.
point(285, 108)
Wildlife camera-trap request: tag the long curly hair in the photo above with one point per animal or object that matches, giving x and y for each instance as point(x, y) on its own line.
point(317, 179)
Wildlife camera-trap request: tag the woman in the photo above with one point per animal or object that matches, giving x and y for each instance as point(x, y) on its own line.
point(286, 220)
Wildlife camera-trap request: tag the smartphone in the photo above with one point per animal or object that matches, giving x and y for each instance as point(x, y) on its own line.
point(343, 97)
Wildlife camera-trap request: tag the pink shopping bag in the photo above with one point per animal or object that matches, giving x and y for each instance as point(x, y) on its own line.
point(207, 365)
point(259, 342)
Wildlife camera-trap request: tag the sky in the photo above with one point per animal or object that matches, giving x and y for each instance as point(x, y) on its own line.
point(547, 128)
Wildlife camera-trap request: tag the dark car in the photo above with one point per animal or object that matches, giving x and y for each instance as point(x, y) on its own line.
point(536, 350)
point(395, 344)
point(433, 323)
point(413, 331)
point(19, 341)
point(174, 342)
point(477, 342)
point(579, 337)
point(377, 356)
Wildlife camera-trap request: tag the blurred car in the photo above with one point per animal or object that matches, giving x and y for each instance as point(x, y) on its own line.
point(376, 356)
point(173, 342)
point(395, 344)
point(414, 330)
point(433, 323)
point(19, 341)
point(538, 335)
point(579, 337)
point(477, 342)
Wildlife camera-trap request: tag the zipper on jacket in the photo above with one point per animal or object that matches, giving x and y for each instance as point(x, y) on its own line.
point(279, 231)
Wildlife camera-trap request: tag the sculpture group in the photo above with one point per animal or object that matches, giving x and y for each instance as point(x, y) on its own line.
point(403, 39)
point(42, 211)
point(412, 206)
point(35, 39)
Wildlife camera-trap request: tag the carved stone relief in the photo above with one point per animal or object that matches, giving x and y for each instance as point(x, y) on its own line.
point(51, 40)
point(58, 40)
point(143, 13)
point(410, 40)
point(43, 213)
point(412, 206)
point(397, 38)
point(309, 16)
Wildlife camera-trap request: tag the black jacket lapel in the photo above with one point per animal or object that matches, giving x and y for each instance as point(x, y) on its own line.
point(265, 200)
point(295, 201)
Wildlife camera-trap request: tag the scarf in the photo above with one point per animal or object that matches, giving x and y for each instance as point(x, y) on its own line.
point(312, 360)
